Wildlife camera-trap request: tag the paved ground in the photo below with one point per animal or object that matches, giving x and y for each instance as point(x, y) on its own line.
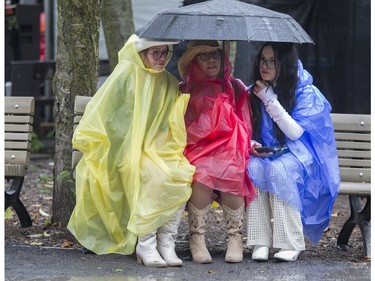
point(49, 253)
point(31, 263)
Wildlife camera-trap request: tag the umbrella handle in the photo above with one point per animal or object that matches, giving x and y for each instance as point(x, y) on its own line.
point(222, 68)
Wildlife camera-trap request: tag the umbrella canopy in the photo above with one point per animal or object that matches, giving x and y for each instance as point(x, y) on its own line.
point(228, 20)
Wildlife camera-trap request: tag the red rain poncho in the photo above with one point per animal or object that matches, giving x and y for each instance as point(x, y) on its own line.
point(218, 131)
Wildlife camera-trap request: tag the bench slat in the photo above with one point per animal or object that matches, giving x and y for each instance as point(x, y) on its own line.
point(351, 122)
point(80, 104)
point(17, 137)
point(25, 119)
point(355, 188)
point(76, 119)
point(352, 136)
point(353, 145)
point(76, 156)
point(18, 128)
point(354, 154)
point(17, 157)
point(19, 105)
point(355, 163)
point(17, 145)
point(355, 175)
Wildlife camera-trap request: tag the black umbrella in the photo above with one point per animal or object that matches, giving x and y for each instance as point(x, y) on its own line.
point(228, 20)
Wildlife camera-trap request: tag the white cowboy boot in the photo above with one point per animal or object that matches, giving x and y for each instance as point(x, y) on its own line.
point(197, 224)
point(287, 255)
point(234, 220)
point(260, 253)
point(166, 238)
point(147, 253)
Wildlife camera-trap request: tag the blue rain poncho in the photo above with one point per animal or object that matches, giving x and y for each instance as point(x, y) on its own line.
point(308, 177)
point(133, 176)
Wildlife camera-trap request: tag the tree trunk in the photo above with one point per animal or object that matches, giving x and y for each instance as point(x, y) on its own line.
point(118, 26)
point(76, 74)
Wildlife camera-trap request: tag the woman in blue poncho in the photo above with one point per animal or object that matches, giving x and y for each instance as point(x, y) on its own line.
point(297, 185)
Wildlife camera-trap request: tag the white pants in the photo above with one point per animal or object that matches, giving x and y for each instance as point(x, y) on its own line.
point(285, 232)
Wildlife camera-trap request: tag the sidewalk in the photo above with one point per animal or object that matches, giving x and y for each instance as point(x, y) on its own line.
point(31, 263)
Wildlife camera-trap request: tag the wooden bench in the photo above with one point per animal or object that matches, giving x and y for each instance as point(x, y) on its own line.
point(353, 140)
point(79, 108)
point(19, 113)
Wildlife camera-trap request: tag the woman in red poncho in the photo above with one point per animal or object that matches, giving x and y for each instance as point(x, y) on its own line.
point(218, 143)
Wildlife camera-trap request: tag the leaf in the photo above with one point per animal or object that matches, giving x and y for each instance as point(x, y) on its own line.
point(35, 235)
point(67, 244)
point(118, 270)
point(215, 205)
point(9, 214)
point(43, 213)
point(334, 215)
point(63, 175)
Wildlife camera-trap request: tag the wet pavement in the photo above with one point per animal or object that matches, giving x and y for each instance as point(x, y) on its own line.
point(31, 263)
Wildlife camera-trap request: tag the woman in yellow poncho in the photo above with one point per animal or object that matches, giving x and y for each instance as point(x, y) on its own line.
point(133, 179)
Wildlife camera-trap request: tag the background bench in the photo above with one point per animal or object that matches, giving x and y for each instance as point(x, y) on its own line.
point(353, 140)
point(19, 112)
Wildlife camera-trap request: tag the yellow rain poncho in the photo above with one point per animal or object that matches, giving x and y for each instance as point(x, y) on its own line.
point(133, 176)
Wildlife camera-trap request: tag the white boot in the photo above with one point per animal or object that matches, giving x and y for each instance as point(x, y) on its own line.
point(147, 253)
point(166, 238)
point(260, 253)
point(234, 221)
point(287, 255)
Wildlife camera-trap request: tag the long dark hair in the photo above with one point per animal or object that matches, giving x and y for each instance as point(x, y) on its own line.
point(284, 85)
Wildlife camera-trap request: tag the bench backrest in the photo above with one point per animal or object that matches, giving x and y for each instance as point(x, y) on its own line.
point(352, 133)
point(79, 108)
point(353, 140)
point(19, 113)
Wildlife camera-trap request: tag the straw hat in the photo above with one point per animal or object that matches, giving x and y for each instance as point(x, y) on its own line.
point(145, 43)
point(194, 47)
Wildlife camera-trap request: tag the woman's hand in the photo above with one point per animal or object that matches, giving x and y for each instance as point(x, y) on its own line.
point(258, 154)
point(259, 86)
point(264, 91)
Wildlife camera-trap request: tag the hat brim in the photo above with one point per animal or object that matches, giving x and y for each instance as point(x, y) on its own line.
point(184, 62)
point(144, 43)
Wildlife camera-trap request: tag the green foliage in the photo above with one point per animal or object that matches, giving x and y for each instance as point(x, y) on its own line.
point(9, 214)
point(36, 144)
point(65, 176)
point(45, 184)
point(45, 178)
point(50, 135)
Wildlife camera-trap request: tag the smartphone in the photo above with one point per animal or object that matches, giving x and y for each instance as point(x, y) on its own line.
point(276, 151)
point(266, 149)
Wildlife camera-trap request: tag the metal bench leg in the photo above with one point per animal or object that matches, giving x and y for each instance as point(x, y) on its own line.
point(358, 216)
point(12, 199)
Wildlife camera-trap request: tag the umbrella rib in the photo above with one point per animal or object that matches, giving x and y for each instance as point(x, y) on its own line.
point(293, 28)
